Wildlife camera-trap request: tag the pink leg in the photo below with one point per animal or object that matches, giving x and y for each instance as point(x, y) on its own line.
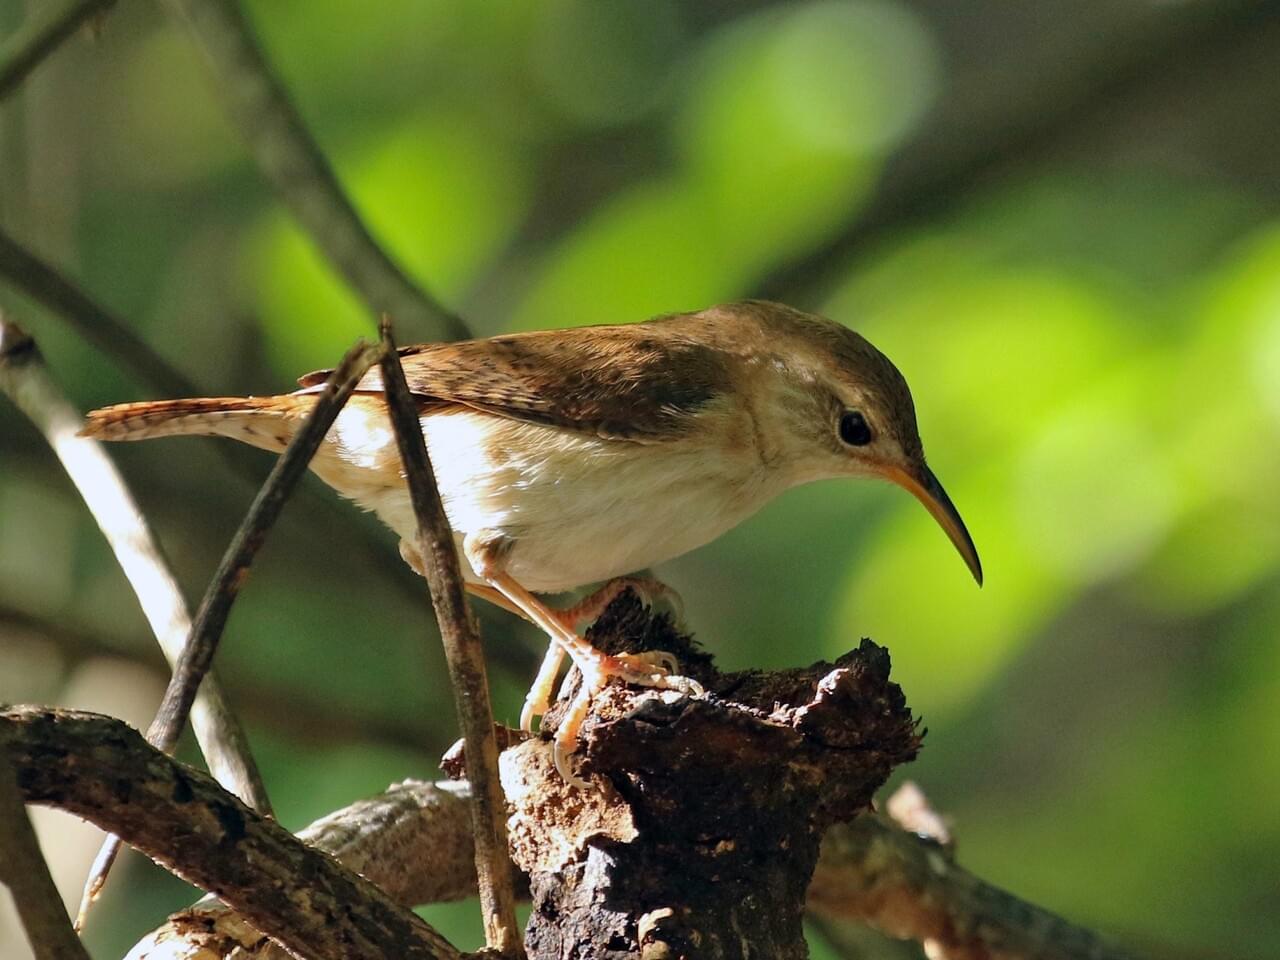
point(593, 604)
point(655, 669)
point(596, 667)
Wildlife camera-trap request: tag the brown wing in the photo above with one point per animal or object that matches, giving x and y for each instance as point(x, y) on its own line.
point(641, 382)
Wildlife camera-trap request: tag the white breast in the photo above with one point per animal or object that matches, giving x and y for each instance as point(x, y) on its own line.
point(577, 509)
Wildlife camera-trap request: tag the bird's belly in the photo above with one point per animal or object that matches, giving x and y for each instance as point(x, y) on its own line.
point(571, 509)
point(620, 537)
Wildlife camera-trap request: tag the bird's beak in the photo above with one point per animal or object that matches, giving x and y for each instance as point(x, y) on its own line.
point(926, 488)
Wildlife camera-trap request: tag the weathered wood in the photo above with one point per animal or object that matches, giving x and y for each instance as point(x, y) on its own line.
point(702, 830)
point(102, 770)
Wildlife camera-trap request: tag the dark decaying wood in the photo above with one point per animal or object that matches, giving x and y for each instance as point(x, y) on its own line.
point(102, 770)
point(702, 832)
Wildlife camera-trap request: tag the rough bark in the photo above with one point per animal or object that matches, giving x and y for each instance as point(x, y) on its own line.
point(102, 770)
point(910, 887)
point(702, 829)
point(414, 841)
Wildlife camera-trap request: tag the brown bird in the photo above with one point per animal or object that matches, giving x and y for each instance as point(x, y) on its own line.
point(569, 457)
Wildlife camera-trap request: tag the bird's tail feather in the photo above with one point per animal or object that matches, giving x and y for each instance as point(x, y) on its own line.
point(261, 421)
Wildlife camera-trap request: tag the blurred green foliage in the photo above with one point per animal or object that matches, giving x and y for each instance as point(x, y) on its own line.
point(1094, 350)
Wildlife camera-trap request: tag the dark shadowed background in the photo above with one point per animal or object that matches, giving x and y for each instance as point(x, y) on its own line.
point(1061, 220)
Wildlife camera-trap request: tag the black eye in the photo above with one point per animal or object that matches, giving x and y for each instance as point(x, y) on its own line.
point(854, 430)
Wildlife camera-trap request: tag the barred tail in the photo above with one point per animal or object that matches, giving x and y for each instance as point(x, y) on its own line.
point(266, 422)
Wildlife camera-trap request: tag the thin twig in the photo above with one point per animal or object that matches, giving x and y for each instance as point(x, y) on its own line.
point(184, 821)
point(222, 740)
point(211, 618)
point(464, 655)
point(197, 654)
point(24, 871)
point(301, 715)
point(300, 173)
point(95, 323)
point(26, 381)
point(44, 39)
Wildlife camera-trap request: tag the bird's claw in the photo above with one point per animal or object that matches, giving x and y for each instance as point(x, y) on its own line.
point(563, 755)
point(651, 592)
point(531, 710)
point(657, 669)
point(654, 669)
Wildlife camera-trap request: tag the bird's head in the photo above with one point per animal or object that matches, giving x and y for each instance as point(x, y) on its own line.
point(847, 411)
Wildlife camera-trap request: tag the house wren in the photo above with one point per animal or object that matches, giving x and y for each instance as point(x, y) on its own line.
point(568, 457)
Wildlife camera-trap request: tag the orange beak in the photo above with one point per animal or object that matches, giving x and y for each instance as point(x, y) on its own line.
point(926, 488)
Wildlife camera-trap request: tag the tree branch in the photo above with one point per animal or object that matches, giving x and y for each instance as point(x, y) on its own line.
point(909, 887)
point(26, 381)
point(414, 841)
point(102, 328)
point(299, 172)
point(24, 871)
point(102, 770)
point(702, 824)
point(196, 658)
point(464, 655)
point(44, 39)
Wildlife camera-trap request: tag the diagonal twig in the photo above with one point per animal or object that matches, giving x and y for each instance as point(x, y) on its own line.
point(222, 740)
point(1208, 34)
point(27, 383)
point(44, 39)
point(197, 653)
point(24, 871)
point(184, 821)
point(299, 172)
point(464, 656)
point(95, 323)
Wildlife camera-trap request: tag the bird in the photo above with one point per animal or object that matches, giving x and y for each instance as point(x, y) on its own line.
point(577, 456)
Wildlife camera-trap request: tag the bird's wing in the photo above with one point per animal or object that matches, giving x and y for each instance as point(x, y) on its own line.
point(616, 382)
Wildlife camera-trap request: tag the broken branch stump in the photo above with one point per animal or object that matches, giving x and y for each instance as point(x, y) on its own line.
point(701, 832)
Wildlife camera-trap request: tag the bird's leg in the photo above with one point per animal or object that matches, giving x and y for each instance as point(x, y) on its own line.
point(648, 589)
point(588, 610)
point(654, 668)
point(538, 700)
point(596, 667)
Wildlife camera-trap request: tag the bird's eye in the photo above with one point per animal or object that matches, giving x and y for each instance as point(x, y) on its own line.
point(854, 430)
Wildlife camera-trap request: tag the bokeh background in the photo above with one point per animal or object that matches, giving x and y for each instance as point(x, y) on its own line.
point(1061, 220)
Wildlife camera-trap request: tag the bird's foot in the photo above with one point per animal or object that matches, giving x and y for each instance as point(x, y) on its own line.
point(538, 700)
point(646, 670)
point(653, 668)
point(588, 609)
